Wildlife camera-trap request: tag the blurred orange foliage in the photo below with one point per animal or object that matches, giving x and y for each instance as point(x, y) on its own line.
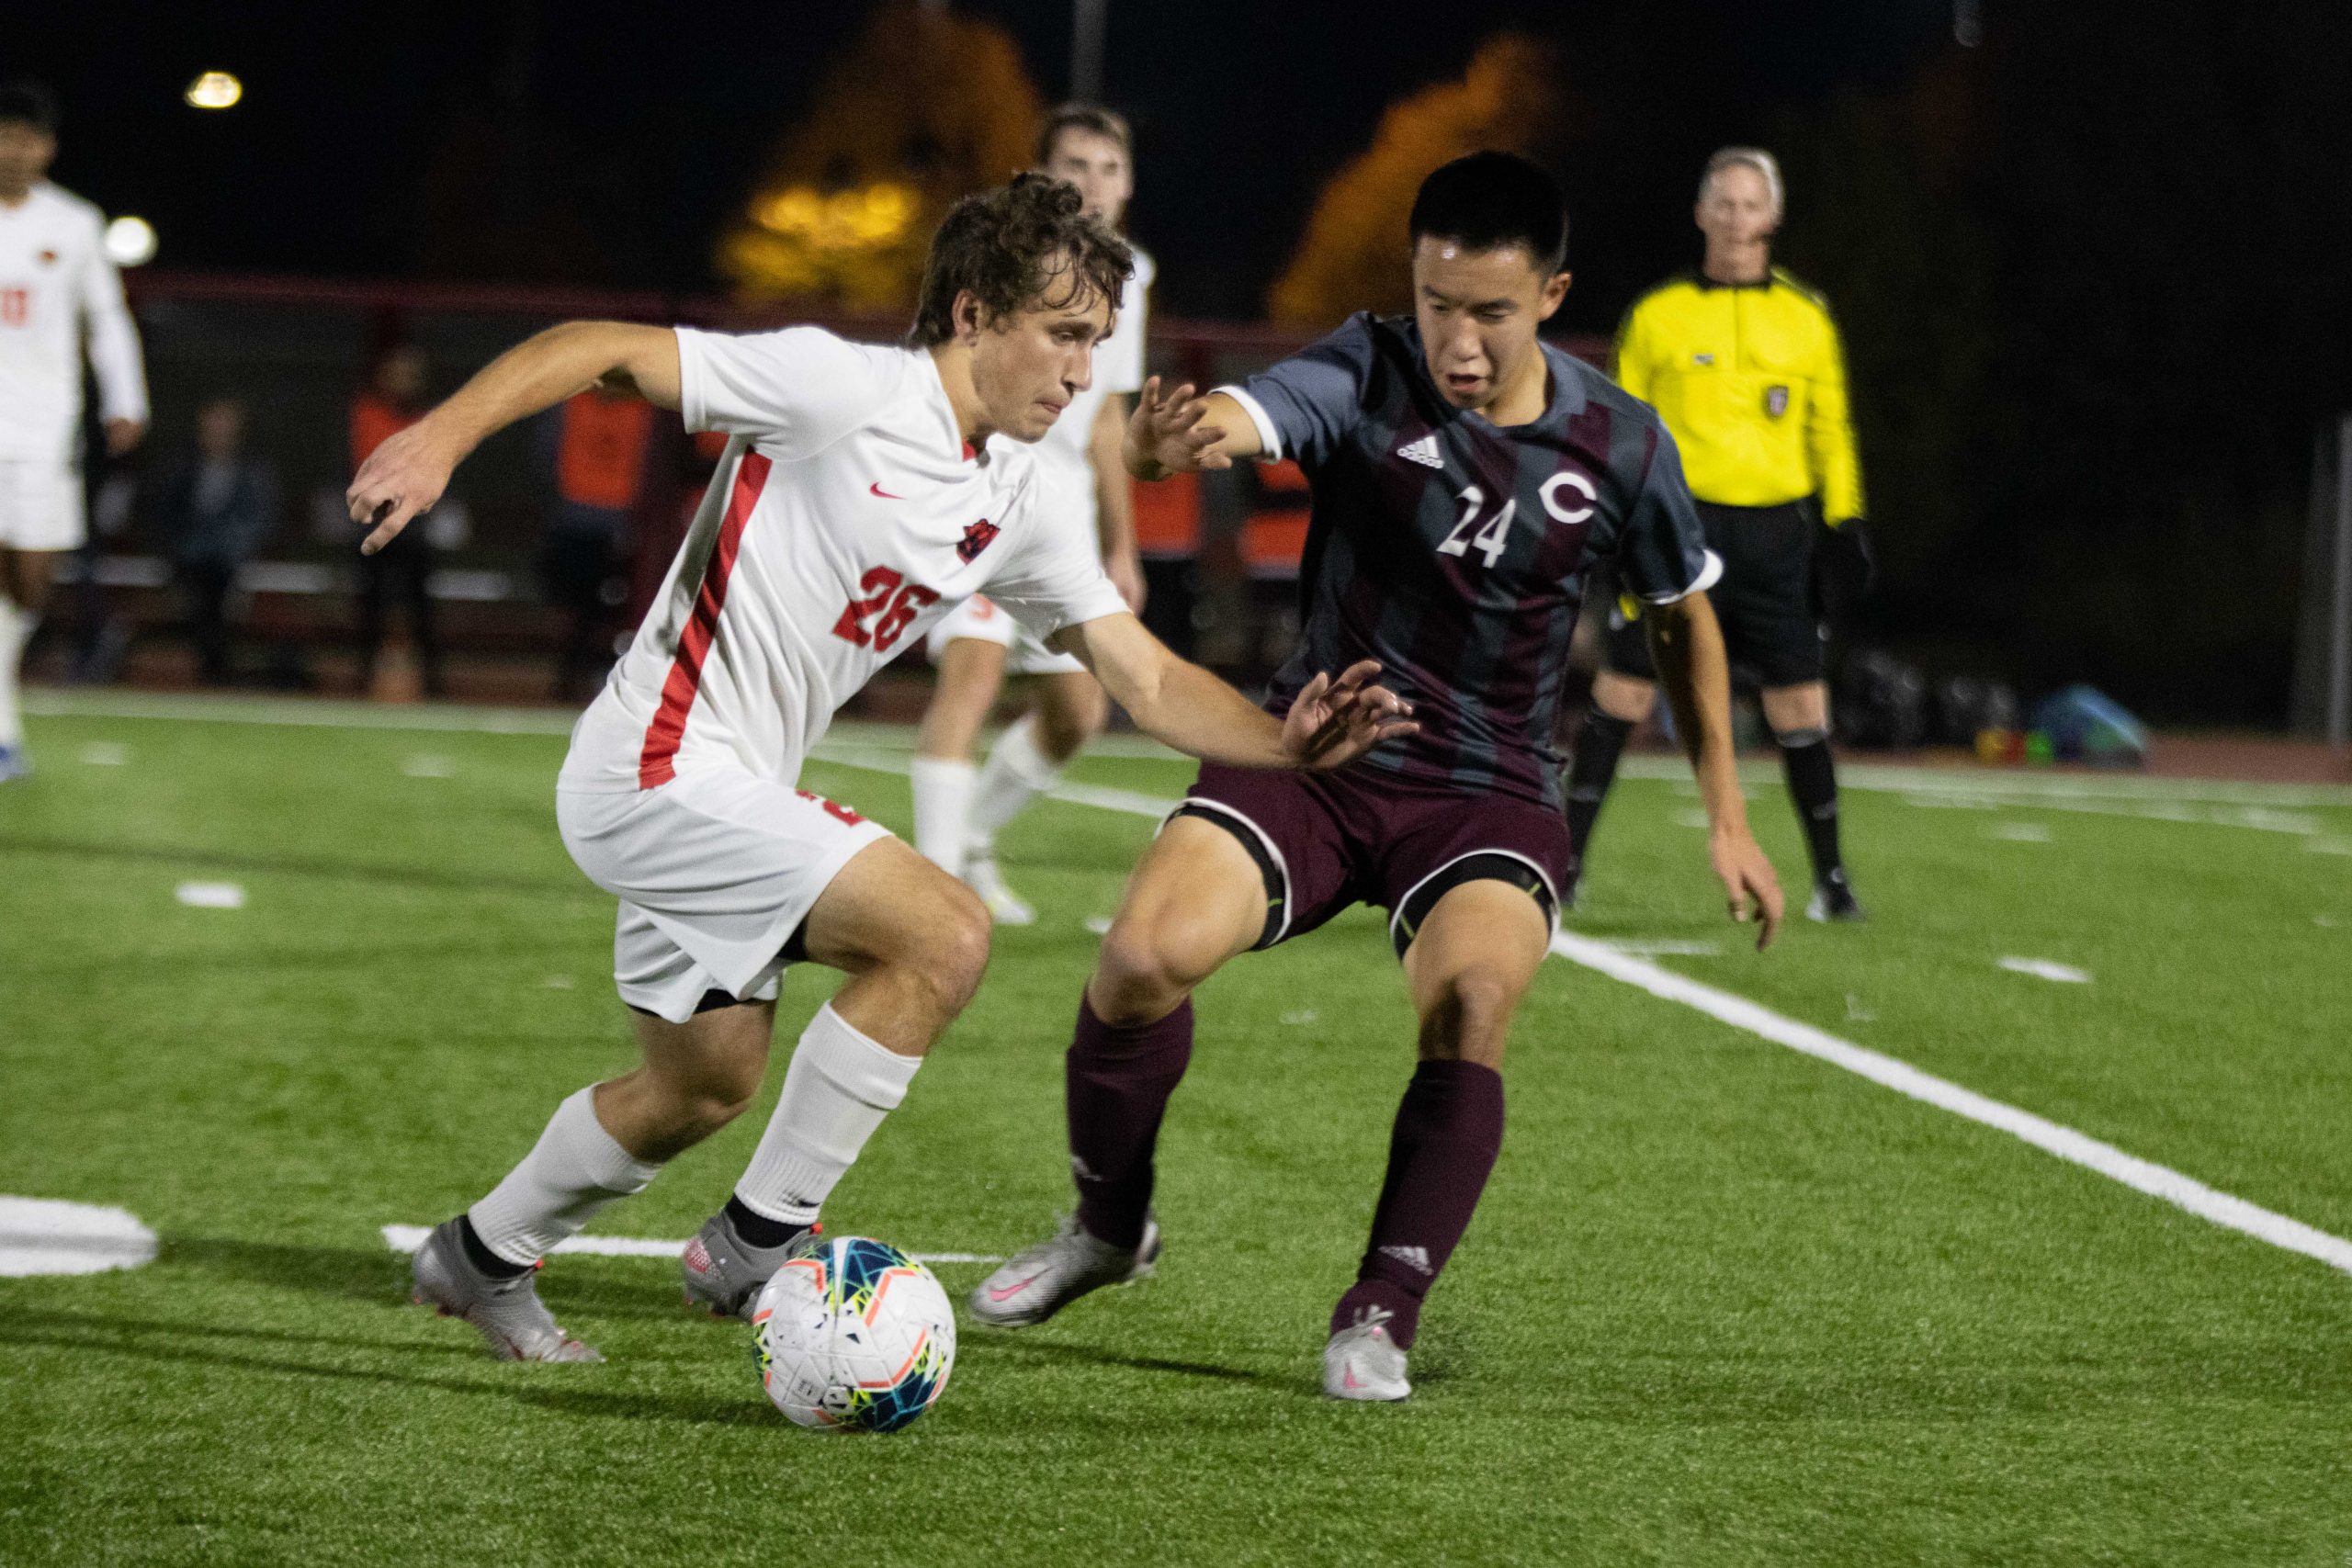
point(1352, 255)
point(926, 106)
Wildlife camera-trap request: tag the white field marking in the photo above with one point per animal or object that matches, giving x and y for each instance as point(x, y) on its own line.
point(1098, 924)
point(1691, 819)
point(210, 895)
point(556, 983)
point(1856, 1012)
point(106, 754)
point(48, 1236)
point(867, 759)
point(1668, 947)
point(462, 719)
point(2020, 833)
point(1302, 1016)
point(2076, 1148)
point(2325, 922)
point(309, 712)
point(2329, 846)
point(2044, 969)
point(427, 766)
point(408, 1238)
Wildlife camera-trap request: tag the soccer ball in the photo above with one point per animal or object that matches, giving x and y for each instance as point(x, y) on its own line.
point(855, 1336)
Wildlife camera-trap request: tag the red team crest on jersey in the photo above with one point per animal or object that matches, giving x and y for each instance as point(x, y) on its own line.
point(977, 538)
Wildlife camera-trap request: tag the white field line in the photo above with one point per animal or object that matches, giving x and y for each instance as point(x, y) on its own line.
point(2159, 1181)
point(408, 1238)
point(2076, 1148)
point(458, 718)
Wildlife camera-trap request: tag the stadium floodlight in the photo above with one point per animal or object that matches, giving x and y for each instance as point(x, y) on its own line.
point(131, 241)
point(214, 90)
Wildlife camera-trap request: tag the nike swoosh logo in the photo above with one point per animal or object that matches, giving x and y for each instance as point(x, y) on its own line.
point(877, 488)
point(1015, 1288)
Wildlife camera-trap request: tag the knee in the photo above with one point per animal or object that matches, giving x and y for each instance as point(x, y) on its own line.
point(948, 950)
point(698, 1101)
point(1141, 975)
point(1469, 1017)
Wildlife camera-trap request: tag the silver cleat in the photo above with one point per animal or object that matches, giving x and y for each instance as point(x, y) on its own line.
point(508, 1314)
point(1363, 1362)
point(1042, 1279)
point(724, 1272)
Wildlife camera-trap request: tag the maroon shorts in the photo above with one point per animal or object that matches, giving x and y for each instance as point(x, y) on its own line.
point(1363, 835)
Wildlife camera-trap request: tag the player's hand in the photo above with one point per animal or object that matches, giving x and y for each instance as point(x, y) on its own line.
point(1748, 878)
point(1165, 434)
point(1125, 573)
point(122, 434)
point(1334, 722)
point(401, 479)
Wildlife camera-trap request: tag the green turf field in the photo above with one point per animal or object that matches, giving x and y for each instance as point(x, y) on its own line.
point(1723, 1303)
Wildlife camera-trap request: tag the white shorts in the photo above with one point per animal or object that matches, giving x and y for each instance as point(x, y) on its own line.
point(982, 622)
point(40, 505)
point(716, 870)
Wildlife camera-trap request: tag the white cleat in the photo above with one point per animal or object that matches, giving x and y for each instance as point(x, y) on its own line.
point(1363, 1362)
point(1006, 907)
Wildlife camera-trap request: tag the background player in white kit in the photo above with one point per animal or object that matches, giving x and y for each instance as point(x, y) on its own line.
point(859, 499)
point(54, 280)
point(959, 811)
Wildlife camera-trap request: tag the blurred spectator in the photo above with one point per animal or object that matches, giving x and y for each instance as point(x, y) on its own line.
point(393, 400)
point(597, 446)
point(214, 511)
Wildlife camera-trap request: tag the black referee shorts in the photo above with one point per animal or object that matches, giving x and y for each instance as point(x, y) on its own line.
point(1765, 600)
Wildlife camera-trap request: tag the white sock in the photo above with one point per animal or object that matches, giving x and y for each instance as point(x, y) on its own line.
point(1017, 772)
point(15, 630)
point(839, 1088)
point(943, 806)
point(575, 1169)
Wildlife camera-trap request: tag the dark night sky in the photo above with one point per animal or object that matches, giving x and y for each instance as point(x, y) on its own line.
point(649, 130)
point(2093, 275)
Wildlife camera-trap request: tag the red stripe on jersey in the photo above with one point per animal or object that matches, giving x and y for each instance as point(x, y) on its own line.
point(656, 764)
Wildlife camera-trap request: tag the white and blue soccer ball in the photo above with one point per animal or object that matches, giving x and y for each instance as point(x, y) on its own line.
point(853, 1337)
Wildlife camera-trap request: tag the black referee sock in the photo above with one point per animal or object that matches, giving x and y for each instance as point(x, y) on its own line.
point(1601, 740)
point(1813, 785)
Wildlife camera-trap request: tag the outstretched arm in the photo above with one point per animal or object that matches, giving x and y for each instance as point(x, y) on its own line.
point(1182, 705)
point(1687, 647)
point(1175, 432)
point(407, 474)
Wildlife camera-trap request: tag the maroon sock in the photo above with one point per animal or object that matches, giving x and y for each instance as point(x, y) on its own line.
point(1117, 1083)
point(1449, 1129)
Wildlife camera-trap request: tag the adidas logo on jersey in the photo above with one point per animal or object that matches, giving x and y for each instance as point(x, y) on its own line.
point(1414, 1257)
point(1423, 452)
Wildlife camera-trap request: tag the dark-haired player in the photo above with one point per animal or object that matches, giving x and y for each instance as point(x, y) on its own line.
point(1464, 475)
point(858, 501)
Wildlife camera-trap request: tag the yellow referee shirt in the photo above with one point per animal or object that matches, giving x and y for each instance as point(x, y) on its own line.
point(1751, 381)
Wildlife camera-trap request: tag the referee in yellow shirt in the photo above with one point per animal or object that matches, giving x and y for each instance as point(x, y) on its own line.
point(1743, 363)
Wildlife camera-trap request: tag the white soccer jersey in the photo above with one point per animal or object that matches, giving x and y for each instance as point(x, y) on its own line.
point(54, 273)
point(846, 516)
point(1118, 367)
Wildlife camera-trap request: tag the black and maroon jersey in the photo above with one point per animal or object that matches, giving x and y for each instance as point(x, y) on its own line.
point(1453, 550)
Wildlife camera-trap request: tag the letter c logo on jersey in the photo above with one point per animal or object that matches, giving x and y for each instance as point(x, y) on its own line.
point(1562, 511)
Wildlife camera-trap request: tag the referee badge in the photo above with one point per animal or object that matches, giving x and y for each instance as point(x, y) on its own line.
point(1776, 400)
